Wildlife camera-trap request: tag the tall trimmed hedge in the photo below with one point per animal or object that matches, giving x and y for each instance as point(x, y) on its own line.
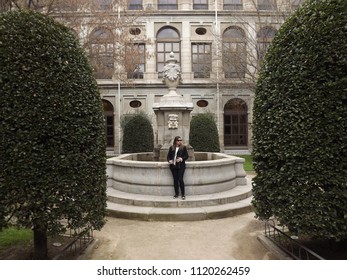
point(52, 155)
point(299, 125)
point(203, 134)
point(138, 135)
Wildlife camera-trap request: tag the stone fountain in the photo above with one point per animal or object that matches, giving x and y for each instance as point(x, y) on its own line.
point(140, 185)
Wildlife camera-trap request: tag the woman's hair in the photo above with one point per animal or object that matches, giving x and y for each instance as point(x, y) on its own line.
point(175, 140)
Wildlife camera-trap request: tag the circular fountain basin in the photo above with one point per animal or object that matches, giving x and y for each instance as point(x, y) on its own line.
point(210, 173)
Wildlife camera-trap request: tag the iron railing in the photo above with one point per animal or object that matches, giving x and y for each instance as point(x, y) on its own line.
point(80, 241)
point(287, 244)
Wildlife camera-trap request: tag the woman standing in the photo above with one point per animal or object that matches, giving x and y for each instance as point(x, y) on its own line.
point(177, 157)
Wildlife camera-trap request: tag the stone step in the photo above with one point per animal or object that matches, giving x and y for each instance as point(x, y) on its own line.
point(179, 213)
point(233, 195)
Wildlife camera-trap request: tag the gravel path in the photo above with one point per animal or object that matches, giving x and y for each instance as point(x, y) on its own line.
point(228, 238)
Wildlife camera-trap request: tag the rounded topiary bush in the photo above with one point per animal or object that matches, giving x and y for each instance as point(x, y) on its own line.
point(203, 135)
point(299, 125)
point(52, 156)
point(138, 135)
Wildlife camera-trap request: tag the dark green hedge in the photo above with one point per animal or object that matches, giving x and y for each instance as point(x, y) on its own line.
point(52, 156)
point(138, 135)
point(299, 125)
point(203, 135)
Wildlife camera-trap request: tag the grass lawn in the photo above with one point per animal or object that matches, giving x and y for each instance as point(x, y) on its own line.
point(248, 166)
point(13, 236)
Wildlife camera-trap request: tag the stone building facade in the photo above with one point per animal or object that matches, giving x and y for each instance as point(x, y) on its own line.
point(219, 45)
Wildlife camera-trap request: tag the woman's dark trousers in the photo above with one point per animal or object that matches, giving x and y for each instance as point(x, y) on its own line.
point(178, 180)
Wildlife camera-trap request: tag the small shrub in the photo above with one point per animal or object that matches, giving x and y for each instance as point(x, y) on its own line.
point(138, 135)
point(203, 135)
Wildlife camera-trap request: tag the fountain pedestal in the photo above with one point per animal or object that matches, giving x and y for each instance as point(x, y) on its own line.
point(172, 113)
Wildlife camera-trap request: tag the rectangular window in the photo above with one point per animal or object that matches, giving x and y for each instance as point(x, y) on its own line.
point(235, 132)
point(135, 61)
point(167, 5)
point(134, 4)
point(268, 5)
point(201, 60)
point(234, 60)
point(232, 5)
point(104, 5)
point(200, 4)
point(261, 50)
point(103, 66)
point(163, 55)
point(109, 131)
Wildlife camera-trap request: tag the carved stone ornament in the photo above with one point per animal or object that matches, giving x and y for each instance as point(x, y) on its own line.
point(173, 121)
point(172, 71)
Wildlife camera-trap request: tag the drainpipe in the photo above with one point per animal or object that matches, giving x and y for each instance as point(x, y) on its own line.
point(119, 115)
point(119, 99)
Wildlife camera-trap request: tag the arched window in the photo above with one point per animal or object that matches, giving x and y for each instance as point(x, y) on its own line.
point(234, 53)
point(168, 40)
point(109, 122)
point(235, 123)
point(264, 38)
point(100, 49)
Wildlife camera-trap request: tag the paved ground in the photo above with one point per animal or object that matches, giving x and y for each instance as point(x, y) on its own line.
point(229, 238)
